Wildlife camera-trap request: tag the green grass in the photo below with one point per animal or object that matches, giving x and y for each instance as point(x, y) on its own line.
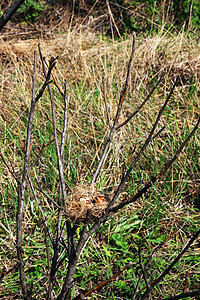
point(169, 205)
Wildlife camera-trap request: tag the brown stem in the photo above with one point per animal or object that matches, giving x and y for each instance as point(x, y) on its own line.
point(65, 293)
point(142, 267)
point(103, 283)
point(9, 12)
point(106, 105)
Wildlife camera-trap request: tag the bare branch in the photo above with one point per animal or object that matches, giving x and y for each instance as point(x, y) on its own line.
point(184, 295)
point(64, 121)
point(30, 124)
point(121, 100)
point(22, 187)
point(171, 265)
point(60, 165)
point(156, 177)
point(105, 100)
point(51, 122)
point(40, 153)
point(148, 140)
point(10, 12)
point(58, 87)
point(154, 137)
point(9, 168)
point(142, 267)
point(54, 267)
point(158, 133)
point(103, 283)
point(52, 64)
point(112, 131)
point(44, 193)
point(42, 212)
point(143, 103)
point(150, 259)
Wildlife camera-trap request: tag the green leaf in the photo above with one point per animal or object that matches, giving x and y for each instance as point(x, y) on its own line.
point(106, 251)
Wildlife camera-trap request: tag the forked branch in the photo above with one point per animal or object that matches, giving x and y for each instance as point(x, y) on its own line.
point(23, 183)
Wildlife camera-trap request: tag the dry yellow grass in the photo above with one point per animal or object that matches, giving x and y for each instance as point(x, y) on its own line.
point(86, 58)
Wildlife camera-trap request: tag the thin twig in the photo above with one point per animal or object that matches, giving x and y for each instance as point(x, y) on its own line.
point(64, 121)
point(167, 270)
point(51, 122)
point(156, 177)
point(154, 137)
point(60, 165)
point(148, 140)
point(42, 212)
point(128, 159)
point(9, 168)
point(106, 105)
point(112, 131)
point(58, 87)
point(40, 153)
point(158, 133)
point(22, 187)
point(52, 63)
point(142, 267)
point(44, 193)
point(152, 255)
point(143, 103)
point(103, 283)
point(149, 261)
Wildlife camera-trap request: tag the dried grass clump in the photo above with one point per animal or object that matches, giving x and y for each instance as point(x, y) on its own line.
point(85, 201)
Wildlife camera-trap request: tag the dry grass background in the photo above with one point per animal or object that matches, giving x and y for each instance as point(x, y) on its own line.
point(86, 57)
point(87, 60)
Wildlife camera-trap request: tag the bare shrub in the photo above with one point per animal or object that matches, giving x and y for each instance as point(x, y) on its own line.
point(82, 205)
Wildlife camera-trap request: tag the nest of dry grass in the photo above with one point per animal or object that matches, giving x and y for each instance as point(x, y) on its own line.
point(85, 202)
